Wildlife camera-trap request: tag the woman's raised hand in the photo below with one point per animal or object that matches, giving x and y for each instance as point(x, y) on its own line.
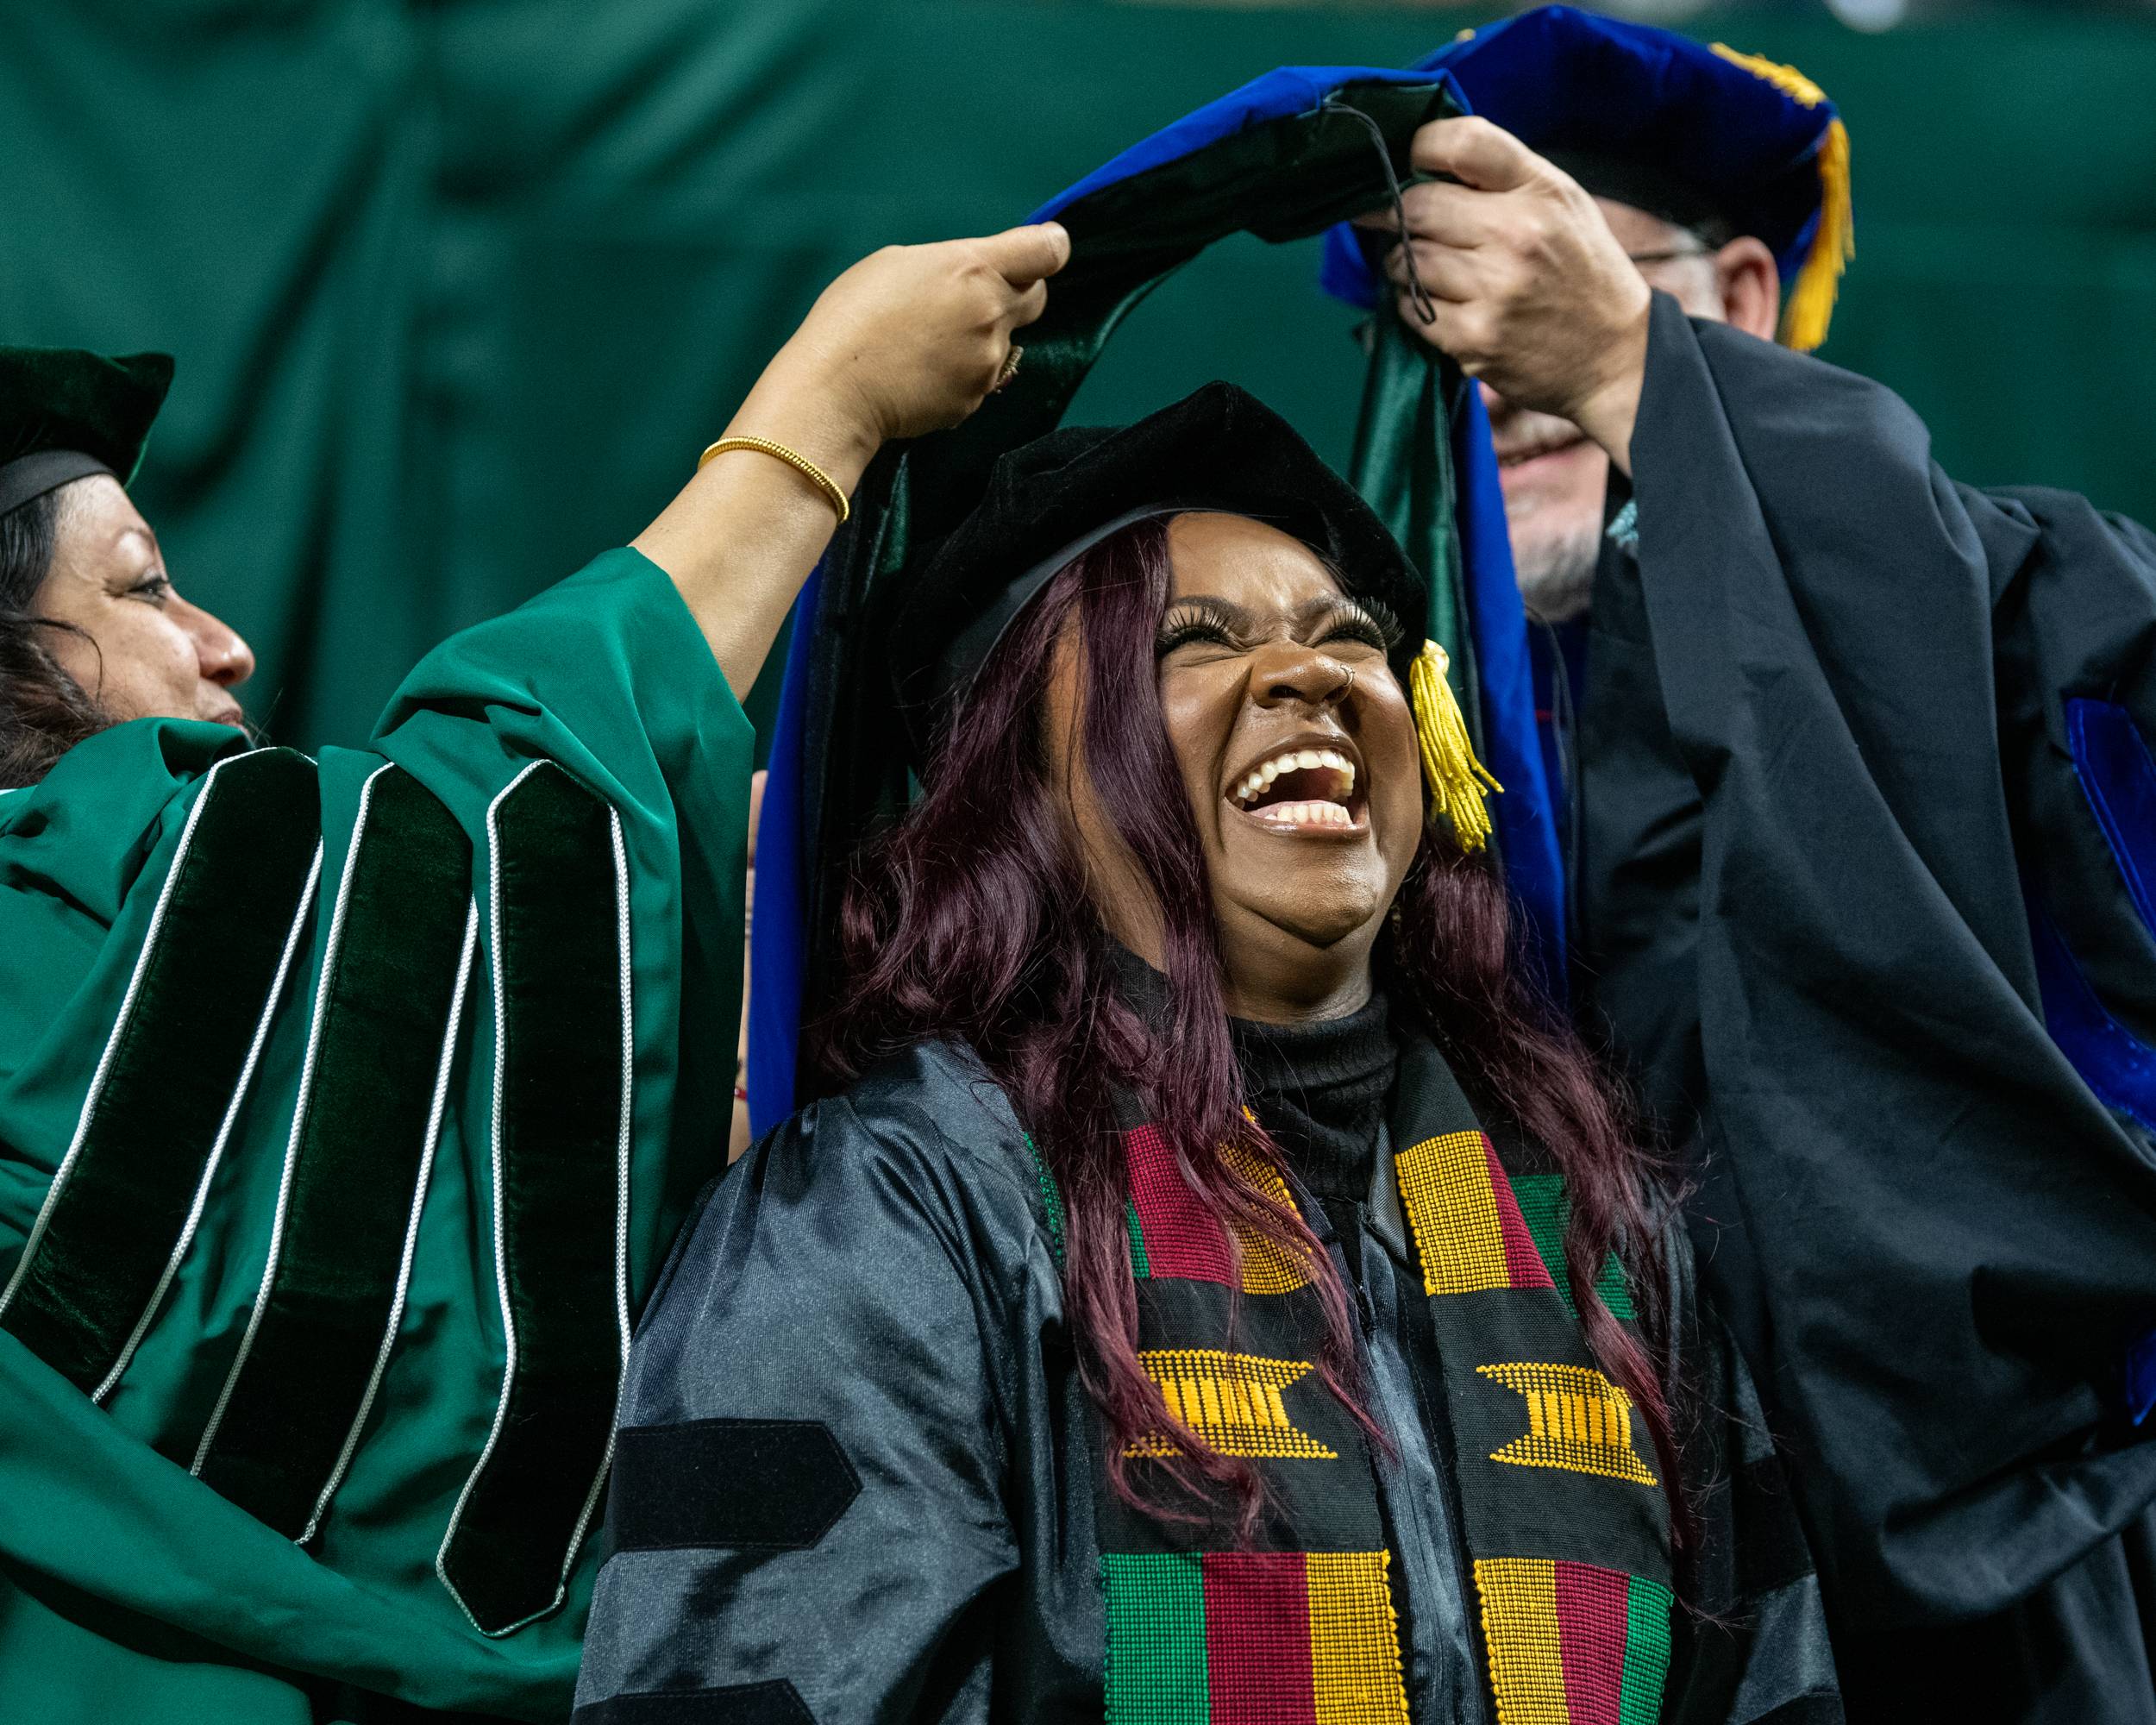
point(913, 338)
point(910, 340)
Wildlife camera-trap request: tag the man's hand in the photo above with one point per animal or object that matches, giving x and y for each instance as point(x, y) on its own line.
point(1533, 293)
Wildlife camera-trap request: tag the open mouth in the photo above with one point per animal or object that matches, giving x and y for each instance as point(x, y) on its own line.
point(1302, 790)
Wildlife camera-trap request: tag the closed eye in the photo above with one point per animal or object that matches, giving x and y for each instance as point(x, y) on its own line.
point(1369, 620)
point(1183, 634)
point(1214, 622)
point(1362, 629)
point(1198, 620)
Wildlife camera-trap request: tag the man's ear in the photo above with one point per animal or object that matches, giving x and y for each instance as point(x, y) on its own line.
point(1750, 285)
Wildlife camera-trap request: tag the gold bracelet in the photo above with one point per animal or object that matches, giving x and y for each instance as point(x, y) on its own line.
point(801, 464)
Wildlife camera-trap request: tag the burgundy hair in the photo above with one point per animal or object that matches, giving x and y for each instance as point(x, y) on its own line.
point(970, 921)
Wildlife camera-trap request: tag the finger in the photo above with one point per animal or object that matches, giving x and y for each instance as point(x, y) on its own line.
point(1458, 329)
point(1475, 153)
point(1029, 305)
point(1452, 215)
point(1023, 256)
point(1443, 271)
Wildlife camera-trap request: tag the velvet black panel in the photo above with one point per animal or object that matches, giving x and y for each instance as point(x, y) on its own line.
point(559, 960)
point(722, 1484)
point(178, 1054)
point(741, 1703)
point(312, 1349)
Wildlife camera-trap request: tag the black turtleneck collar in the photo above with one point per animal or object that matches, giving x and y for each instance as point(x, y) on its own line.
point(1319, 1088)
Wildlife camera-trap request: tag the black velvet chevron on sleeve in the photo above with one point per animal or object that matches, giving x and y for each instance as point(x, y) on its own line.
point(356, 1173)
point(117, 1220)
point(560, 968)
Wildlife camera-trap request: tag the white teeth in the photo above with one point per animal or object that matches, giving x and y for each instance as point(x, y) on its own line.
point(1306, 814)
point(1260, 777)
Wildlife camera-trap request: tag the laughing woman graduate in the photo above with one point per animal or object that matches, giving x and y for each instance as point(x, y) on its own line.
point(346, 1106)
point(1218, 1289)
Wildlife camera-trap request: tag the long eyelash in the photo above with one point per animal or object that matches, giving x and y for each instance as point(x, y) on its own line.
point(1206, 618)
point(1374, 616)
point(1194, 620)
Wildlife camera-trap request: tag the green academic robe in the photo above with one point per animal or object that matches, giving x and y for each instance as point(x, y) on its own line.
point(347, 1109)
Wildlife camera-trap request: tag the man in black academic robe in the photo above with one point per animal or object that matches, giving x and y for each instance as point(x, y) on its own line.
point(1866, 865)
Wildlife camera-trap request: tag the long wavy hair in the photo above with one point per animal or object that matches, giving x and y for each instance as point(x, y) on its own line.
point(970, 920)
point(44, 712)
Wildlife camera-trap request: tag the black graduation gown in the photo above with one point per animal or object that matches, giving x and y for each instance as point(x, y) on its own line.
point(855, 1482)
point(1851, 905)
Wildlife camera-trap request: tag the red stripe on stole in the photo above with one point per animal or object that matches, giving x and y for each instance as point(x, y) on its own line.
point(1181, 1238)
point(1523, 1264)
point(1257, 1638)
point(1591, 1633)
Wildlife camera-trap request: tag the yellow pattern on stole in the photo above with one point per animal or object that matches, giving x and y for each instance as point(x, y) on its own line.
point(1444, 1188)
point(1355, 1676)
point(1520, 1628)
point(1266, 1268)
point(1576, 1420)
point(1231, 1400)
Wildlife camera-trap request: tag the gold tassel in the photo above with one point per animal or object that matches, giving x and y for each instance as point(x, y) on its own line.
point(1457, 781)
point(1819, 281)
point(1811, 307)
point(1786, 78)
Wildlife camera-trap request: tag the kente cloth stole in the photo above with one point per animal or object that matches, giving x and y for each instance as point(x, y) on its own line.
point(1562, 1510)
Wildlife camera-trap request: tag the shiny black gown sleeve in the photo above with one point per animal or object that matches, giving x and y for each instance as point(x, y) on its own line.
point(807, 1515)
point(1834, 722)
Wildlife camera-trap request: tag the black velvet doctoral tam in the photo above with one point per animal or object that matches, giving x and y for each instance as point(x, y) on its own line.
point(1219, 447)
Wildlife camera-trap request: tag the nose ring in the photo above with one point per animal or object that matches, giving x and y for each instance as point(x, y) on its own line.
point(1346, 688)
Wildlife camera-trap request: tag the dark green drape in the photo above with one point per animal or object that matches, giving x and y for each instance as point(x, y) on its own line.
point(1403, 462)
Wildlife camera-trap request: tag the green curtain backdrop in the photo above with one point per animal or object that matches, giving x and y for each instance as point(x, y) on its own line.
point(459, 287)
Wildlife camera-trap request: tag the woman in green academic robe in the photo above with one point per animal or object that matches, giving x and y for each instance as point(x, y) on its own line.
point(347, 1105)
